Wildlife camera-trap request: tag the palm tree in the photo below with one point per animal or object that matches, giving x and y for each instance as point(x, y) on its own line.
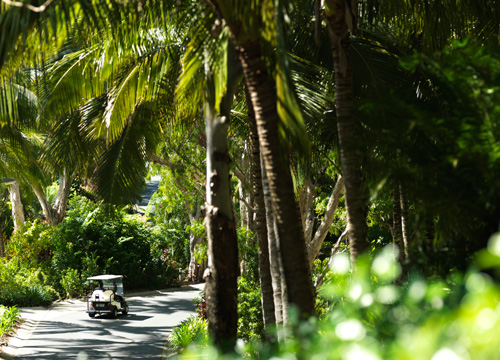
point(341, 18)
point(245, 25)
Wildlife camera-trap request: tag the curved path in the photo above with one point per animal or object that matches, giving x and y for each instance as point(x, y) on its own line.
point(65, 331)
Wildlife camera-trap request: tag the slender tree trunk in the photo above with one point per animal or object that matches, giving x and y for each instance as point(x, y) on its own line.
point(293, 249)
point(222, 272)
point(42, 199)
point(404, 221)
point(54, 215)
point(243, 206)
point(266, 286)
point(17, 205)
point(350, 155)
point(274, 252)
point(62, 197)
point(320, 235)
point(194, 267)
point(307, 213)
point(397, 235)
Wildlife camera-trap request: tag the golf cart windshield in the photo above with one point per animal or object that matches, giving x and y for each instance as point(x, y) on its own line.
point(111, 282)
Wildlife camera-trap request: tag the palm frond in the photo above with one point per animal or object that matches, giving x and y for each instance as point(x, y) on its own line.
point(122, 166)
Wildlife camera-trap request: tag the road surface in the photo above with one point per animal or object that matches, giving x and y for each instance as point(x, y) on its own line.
point(151, 187)
point(65, 331)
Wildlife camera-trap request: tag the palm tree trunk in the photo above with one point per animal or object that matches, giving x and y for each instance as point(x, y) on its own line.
point(266, 286)
point(221, 276)
point(293, 249)
point(350, 155)
point(274, 253)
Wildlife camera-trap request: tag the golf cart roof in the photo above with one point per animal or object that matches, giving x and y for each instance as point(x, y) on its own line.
point(105, 277)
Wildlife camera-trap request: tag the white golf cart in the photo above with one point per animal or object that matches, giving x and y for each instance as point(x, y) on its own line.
point(107, 297)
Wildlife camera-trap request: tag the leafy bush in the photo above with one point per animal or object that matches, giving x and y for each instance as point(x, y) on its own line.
point(105, 240)
point(92, 239)
point(72, 283)
point(30, 246)
point(370, 316)
point(194, 329)
point(24, 287)
point(250, 323)
point(27, 296)
point(9, 318)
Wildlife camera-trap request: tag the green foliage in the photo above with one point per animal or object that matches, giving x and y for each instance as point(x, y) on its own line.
point(248, 252)
point(250, 323)
point(201, 305)
point(24, 286)
point(192, 330)
point(9, 318)
point(201, 252)
point(436, 134)
point(197, 228)
point(92, 239)
point(369, 315)
point(30, 245)
point(27, 296)
point(72, 283)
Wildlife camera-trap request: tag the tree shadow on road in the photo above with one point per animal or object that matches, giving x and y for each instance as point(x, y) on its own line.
point(141, 334)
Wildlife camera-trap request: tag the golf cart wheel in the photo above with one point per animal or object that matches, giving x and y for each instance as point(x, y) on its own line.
point(125, 310)
point(113, 312)
point(92, 315)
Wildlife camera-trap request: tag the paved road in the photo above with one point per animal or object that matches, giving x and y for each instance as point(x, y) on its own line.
point(65, 331)
point(149, 190)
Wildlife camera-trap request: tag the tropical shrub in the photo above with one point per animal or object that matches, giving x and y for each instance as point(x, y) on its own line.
point(24, 286)
point(192, 330)
point(92, 239)
point(250, 323)
point(9, 318)
point(370, 316)
point(72, 283)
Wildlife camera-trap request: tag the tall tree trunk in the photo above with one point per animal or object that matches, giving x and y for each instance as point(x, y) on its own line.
point(222, 272)
point(404, 221)
point(293, 250)
point(62, 197)
point(17, 205)
point(54, 215)
point(42, 199)
point(307, 213)
point(397, 234)
point(341, 19)
point(266, 287)
point(320, 235)
point(274, 252)
point(243, 207)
